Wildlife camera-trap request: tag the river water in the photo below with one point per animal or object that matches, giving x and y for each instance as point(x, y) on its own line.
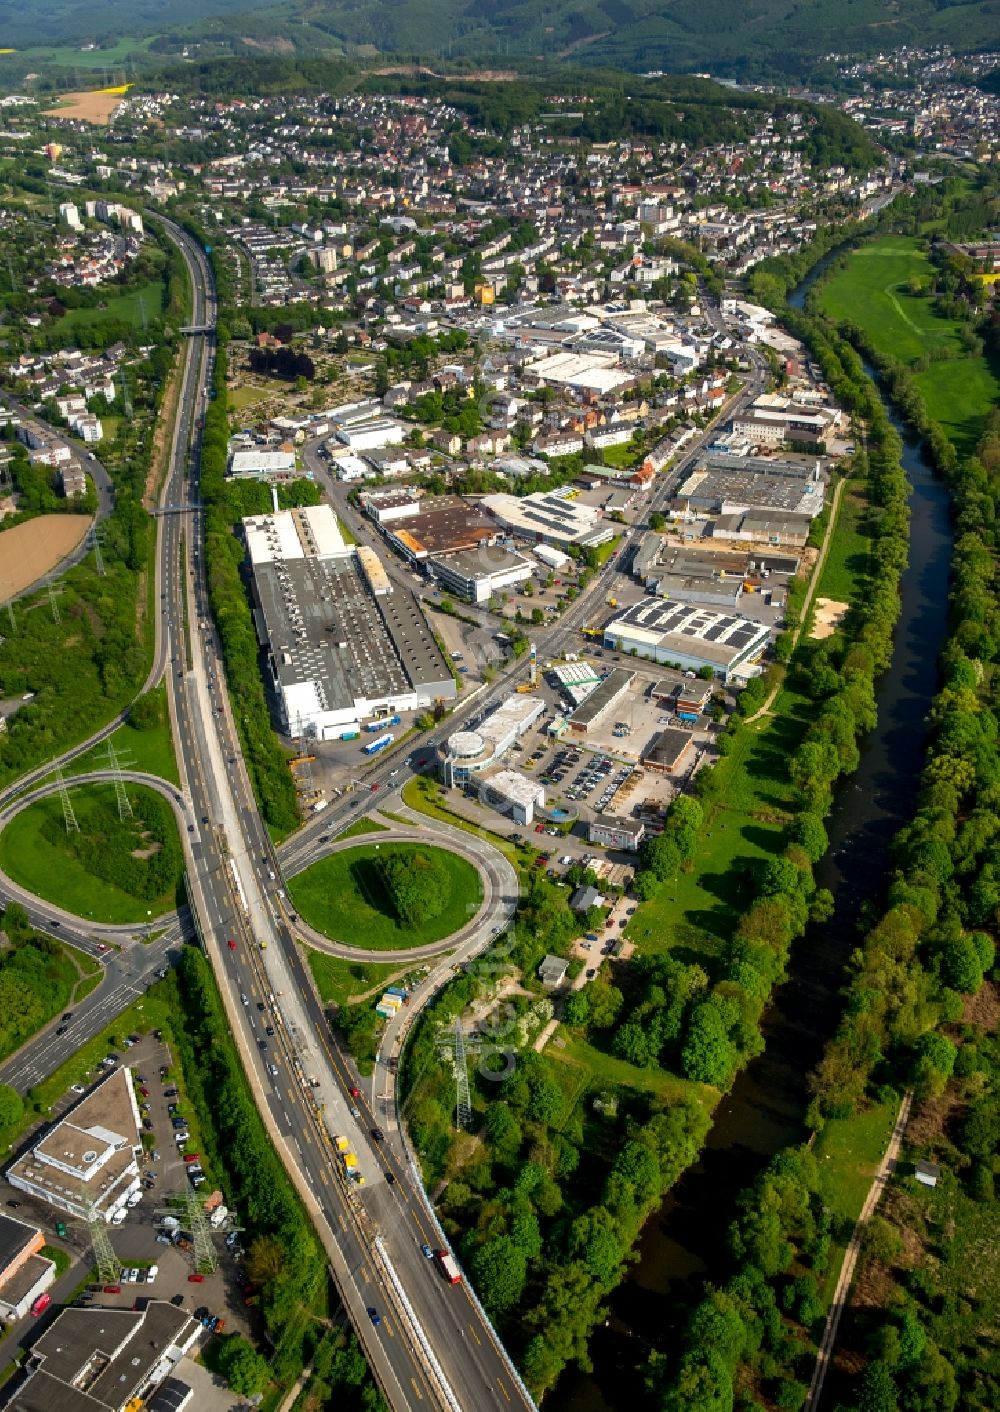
point(682, 1244)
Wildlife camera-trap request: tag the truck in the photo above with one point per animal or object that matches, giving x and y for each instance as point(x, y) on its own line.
point(342, 1144)
point(374, 746)
point(382, 722)
point(320, 805)
point(447, 1265)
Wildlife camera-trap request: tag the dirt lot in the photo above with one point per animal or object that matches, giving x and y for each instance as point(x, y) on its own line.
point(93, 107)
point(30, 550)
point(828, 617)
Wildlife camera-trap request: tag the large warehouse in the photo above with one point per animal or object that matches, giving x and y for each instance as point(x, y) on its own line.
point(729, 485)
point(678, 634)
point(342, 641)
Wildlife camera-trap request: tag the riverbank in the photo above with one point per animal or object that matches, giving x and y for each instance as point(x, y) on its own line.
point(766, 1109)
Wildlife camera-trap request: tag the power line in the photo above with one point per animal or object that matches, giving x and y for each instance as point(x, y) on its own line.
point(115, 765)
point(69, 816)
point(53, 593)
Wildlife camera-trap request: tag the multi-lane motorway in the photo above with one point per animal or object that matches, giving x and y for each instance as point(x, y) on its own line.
point(432, 1344)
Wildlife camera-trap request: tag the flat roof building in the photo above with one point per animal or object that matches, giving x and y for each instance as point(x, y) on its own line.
point(550, 517)
point(679, 635)
point(102, 1360)
point(88, 1161)
point(262, 465)
point(444, 524)
point(478, 747)
point(623, 834)
point(671, 752)
point(727, 485)
point(342, 641)
point(312, 532)
point(591, 711)
point(476, 575)
point(512, 794)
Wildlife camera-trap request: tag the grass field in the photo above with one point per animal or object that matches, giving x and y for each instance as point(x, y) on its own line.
point(361, 826)
point(959, 395)
point(150, 751)
point(605, 1071)
point(871, 291)
point(337, 981)
point(424, 795)
point(343, 897)
point(238, 398)
point(847, 558)
point(694, 914)
point(848, 1152)
point(128, 308)
point(52, 872)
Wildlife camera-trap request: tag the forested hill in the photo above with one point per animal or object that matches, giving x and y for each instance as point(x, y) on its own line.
point(736, 38)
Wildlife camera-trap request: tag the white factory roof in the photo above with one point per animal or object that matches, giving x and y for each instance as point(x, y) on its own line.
point(515, 787)
point(249, 463)
point(309, 533)
point(501, 725)
point(551, 514)
point(595, 371)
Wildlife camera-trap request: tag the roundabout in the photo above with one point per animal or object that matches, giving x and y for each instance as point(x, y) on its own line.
point(396, 893)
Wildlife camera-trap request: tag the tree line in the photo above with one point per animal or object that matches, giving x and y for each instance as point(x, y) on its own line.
point(266, 760)
point(902, 1025)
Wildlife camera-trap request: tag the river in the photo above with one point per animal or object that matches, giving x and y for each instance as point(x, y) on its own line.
point(682, 1244)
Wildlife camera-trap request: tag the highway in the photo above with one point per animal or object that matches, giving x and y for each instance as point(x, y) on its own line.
point(433, 1345)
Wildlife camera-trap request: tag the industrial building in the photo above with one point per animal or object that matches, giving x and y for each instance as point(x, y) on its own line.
point(764, 527)
point(440, 524)
point(690, 638)
point(387, 503)
point(25, 1273)
point(469, 752)
point(728, 485)
point(104, 1360)
point(477, 575)
point(88, 1162)
point(623, 834)
point(511, 794)
point(342, 641)
point(591, 711)
point(551, 517)
point(262, 465)
point(671, 752)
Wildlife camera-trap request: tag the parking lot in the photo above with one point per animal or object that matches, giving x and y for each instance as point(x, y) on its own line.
point(154, 1265)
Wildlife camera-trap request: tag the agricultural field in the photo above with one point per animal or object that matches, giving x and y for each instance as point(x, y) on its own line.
point(111, 870)
point(96, 106)
point(345, 896)
point(34, 548)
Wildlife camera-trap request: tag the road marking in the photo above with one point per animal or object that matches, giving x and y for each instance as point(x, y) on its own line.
point(472, 1331)
point(388, 1328)
point(503, 1389)
point(413, 1384)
